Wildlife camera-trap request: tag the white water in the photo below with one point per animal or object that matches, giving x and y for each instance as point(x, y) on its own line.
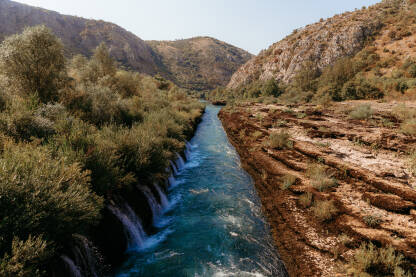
point(85, 255)
point(73, 269)
point(154, 205)
point(175, 170)
point(163, 199)
point(132, 226)
point(180, 162)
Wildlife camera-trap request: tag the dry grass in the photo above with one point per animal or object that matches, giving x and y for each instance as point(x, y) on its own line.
point(324, 210)
point(280, 140)
point(372, 261)
point(361, 112)
point(306, 200)
point(319, 178)
point(288, 181)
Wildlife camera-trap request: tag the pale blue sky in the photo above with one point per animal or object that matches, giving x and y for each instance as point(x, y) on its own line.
point(250, 24)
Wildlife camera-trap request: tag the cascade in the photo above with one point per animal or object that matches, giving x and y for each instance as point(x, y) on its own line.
point(175, 170)
point(154, 205)
point(180, 162)
point(188, 151)
point(85, 256)
point(163, 199)
point(132, 225)
point(72, 268)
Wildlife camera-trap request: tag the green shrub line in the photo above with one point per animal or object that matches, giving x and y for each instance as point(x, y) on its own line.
point(72, 134)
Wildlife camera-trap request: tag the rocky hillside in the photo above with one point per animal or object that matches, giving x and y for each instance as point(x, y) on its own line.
point(200, 63)
point(79, 35)
point(325, 42)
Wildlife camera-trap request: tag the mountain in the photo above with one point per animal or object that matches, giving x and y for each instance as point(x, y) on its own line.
point(200, 63)
point(197, 63)
point(79, 35)
point(387, 27)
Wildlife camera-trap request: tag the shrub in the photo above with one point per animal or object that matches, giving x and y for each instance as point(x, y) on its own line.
point(306, 199)
point(271, 88)
point(369, 260)
point(372, 220)
point(34, 62)
point(324, 210)
point(361, 112)
point(43, 195)
point(320, 180)
point(288, 181)
point(360, 89)
point(27, 258)
point(408, 127)
point(280, 140)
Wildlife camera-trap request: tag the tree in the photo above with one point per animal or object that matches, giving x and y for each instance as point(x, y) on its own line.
point(271, 88)
point(34, 62)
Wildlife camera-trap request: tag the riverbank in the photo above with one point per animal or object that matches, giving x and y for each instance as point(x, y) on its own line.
point(335, 182)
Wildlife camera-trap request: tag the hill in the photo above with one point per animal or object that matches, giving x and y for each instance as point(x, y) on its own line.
point(372, 48)
point(200, 63)
point(197, 63)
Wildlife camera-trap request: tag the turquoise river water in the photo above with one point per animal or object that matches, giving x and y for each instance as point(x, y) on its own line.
point(213, 223)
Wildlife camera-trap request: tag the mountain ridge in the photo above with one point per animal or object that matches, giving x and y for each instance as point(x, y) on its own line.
point(81, 36)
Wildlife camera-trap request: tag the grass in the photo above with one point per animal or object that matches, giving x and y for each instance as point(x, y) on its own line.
point(288, 181)
point(306, 200)
point(324, 210)
point(372, 221)
point(408, 127)
point(280, 140)
point(256, 135)
point(369, 260)
point(319, 177)
point(361, 112)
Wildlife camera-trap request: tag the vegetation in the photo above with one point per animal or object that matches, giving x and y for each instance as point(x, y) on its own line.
point(324, 210)
point(280, 140)
point(320, 180)
point(372, 220)
point(361, 112)
point(306, 199)
point(288, 181)
point(370, 260)
point(73, 133)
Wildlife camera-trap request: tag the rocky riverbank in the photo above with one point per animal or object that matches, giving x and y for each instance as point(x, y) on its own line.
point(329, 181)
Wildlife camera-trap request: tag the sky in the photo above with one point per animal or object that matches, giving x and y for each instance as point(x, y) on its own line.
point(249, 24)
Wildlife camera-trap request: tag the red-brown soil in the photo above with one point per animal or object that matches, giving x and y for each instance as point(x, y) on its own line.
point(369, 161)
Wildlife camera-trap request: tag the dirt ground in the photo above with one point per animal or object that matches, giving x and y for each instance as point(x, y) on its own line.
point(369, 159)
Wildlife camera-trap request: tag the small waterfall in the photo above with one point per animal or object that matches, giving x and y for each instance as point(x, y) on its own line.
point(154, 205)
point(72, 268)
point(180, 162)
point(171, 181)
point(175, 170)
point(86, 256)
point(163, 199)
point(132, 225)
point(188, 151)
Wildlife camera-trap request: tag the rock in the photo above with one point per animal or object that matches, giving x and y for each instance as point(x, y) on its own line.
point(389, 202)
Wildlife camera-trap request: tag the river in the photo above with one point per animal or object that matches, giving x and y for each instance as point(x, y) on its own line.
point(212, 224)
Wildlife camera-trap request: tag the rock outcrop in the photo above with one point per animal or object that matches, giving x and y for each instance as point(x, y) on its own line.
point(321, 43)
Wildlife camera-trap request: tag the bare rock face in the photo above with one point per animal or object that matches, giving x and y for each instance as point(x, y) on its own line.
point(79, 35)
point(322, 43)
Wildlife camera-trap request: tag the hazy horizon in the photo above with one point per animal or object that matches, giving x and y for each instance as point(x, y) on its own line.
point(250, 25)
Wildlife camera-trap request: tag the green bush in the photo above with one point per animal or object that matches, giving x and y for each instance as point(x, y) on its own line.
point(360, 89)
point(43, 195)
point(271, 88)
point(34, 62)
point(361, 112)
